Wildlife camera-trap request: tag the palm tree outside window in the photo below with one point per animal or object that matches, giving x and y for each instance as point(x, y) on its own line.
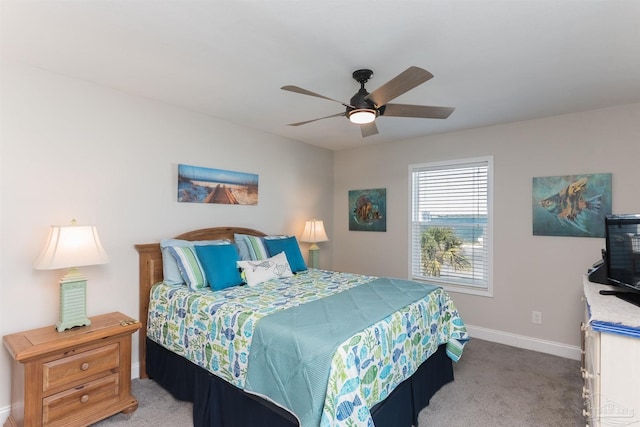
point(451, 224)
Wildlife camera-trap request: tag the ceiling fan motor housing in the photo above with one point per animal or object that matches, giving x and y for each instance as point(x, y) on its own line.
point(359, 101)
point(361, 105)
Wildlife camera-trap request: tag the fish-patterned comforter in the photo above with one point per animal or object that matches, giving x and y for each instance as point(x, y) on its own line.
point(214, 330)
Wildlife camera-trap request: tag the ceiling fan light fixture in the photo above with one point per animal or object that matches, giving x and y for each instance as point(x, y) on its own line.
point(362, 116)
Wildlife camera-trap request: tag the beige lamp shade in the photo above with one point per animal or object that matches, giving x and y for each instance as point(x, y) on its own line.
point(314, 232)
point(71, 246)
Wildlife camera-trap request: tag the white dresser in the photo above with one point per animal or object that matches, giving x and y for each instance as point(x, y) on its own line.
point(611, 359)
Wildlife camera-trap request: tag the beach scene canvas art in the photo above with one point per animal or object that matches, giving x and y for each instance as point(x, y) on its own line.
point(206, 185)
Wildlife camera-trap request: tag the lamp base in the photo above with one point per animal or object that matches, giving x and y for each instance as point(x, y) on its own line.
point(314, 256)
point(73, 301)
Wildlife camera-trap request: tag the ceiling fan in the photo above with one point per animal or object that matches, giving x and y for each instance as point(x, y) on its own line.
point(365, 107)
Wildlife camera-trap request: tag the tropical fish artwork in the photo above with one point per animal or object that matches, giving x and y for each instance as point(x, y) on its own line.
point(367, 210)
point(579, 205)
point(569, 206)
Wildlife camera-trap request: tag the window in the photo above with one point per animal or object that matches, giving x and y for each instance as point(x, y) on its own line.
point(451, 224)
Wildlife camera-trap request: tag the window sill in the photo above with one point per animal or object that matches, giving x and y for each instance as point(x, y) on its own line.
point(461, 289)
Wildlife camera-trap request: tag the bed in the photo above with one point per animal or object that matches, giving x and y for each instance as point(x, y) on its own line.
point(369, 378)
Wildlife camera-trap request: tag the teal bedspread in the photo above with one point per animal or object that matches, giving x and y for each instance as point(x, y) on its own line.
point(218, 331)
point(293, 368)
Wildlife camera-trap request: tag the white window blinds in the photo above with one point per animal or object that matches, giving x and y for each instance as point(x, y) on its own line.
point(450, 236)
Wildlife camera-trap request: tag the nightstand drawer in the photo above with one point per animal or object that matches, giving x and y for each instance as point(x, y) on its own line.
point(61, 408)
point(67, 371)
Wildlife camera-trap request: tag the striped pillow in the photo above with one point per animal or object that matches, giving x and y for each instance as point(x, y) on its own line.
point(170, 271)
point(189, 267)
point(251, 248)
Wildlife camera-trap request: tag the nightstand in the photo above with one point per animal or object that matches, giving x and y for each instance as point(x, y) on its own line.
point(71, 378)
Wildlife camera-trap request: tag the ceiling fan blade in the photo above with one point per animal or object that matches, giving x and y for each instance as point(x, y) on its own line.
point(297, 89)
point(321, 118)
point(403, 82)
point(369, 129)
point(419, 111)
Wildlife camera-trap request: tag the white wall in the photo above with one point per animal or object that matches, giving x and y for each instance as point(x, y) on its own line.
point(530, 272)
point(71, 149)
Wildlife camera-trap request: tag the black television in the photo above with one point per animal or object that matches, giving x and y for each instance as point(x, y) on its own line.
point(621, 257)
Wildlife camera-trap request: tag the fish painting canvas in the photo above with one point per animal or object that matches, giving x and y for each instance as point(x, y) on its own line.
point(571, 205)
point(368, 210)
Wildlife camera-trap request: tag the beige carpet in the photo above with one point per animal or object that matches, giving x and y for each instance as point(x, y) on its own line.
point(495, 385)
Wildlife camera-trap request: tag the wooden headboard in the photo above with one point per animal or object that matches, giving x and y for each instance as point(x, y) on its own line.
point(150, 262)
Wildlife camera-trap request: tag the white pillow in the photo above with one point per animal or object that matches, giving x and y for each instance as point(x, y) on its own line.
point(271, 268)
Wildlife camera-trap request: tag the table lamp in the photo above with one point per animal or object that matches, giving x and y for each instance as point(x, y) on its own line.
point(314, 233)
point(72, 247)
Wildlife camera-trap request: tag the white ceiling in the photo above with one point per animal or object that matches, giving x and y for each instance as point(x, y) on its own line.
point(496, 61)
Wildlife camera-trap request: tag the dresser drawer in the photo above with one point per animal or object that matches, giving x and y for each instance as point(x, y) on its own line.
point(74, 369)
point(62, 408)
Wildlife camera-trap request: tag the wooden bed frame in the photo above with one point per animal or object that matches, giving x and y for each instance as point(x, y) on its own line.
point(399, 409)
point(150, 258)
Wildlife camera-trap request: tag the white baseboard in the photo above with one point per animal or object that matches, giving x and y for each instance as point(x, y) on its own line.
point(4, 414)
point(135, 370)
point(522, 341)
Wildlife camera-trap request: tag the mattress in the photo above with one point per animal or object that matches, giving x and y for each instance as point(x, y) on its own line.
point(215, 330)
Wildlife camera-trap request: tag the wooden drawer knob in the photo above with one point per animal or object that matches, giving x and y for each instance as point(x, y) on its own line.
point(84, 366)
point(84, 398)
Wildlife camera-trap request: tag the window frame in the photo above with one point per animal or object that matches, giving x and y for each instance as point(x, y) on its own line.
point(447, 285)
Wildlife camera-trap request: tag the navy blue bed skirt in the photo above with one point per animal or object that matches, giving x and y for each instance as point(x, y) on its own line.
point(217, 403)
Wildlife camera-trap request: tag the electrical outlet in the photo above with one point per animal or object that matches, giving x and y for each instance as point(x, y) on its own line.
point(536, 317)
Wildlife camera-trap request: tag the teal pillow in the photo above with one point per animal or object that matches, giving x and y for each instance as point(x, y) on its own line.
point(189, 266)
point(290, 246)
point(219, 264)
